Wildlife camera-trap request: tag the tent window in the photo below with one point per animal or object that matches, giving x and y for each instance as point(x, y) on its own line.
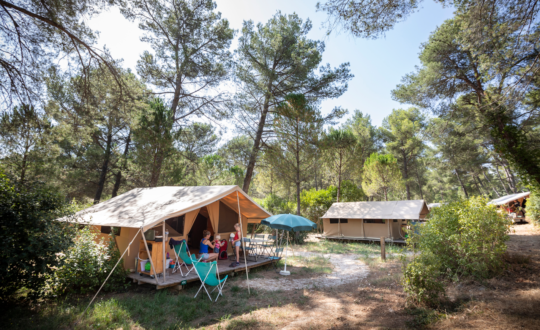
point(107, 230)
point(344, 220)
point(334, 220)
point(176, 224)
point(227, 219)
point(374, 221)
point(395, 220)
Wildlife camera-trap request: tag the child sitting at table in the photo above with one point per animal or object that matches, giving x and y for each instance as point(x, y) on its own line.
point(217, 243)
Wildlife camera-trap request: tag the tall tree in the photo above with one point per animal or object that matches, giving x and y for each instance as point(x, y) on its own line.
point(191, 55)
point(296, 126)
point(98, 125)
point(401, 133)
point(484, 82)
point(36, 34)
point(338, 146)
point(272, 61)
point(26, 143)
point(381, 176)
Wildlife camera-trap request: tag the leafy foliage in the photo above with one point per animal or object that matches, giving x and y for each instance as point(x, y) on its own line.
point(463, 239)
point(30, 238)
point(381, 176)
point(533, 207)
point(88, 263)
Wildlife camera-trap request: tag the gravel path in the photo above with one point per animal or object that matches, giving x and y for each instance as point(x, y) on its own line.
point(347, 269)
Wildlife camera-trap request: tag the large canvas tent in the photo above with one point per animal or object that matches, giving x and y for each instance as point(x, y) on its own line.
point(177, 209)
point(372, 220)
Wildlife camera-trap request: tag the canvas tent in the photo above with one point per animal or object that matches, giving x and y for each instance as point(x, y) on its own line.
point(510, 198)
point(178, 209)
point(372, 219)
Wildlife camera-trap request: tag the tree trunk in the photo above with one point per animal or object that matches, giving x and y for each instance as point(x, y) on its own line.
point(297, 171)
point(491, 184)
point(24, 162)
point(482, 185)
point(502, 181)
point(256, 145)
point(118, 175)
point(339, 175)
point(510, 178)
point(406, 176)
point(419, 183)
point(104, 169)
point(159, 156)
point(462, 185)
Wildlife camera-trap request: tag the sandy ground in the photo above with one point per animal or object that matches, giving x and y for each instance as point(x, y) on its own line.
point(375, 300)
point(346, 269)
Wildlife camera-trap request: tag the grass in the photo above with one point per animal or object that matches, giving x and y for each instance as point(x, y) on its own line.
point(314, 264)
point(149, 310)
point(326, 246)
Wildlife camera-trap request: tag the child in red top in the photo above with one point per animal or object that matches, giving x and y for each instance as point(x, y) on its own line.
point(236, 244)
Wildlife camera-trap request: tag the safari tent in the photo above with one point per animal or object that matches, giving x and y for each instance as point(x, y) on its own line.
point(184, 211)
point(505, 200)
point(372, 220)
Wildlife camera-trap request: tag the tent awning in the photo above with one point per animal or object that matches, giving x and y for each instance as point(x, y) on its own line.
point(146, 207)
point(407, 210)
point(509, 198)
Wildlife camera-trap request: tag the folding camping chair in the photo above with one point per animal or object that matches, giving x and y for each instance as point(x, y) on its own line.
point(180, 251)
point(250, 250)
point(208, 274)
point(268, 245)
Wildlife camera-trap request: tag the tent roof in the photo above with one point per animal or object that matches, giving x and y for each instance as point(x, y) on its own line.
point(509, 198)
point(409, 210)
point(150, 206)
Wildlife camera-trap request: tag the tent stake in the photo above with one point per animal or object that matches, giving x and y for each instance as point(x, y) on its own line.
point(242, 233)
point(101, 287)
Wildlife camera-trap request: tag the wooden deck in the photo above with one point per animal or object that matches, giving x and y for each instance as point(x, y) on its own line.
point(361, 239)
point(177, 279)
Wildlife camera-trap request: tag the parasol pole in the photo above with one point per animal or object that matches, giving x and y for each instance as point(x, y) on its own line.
point(285, 271)
point(242, 240)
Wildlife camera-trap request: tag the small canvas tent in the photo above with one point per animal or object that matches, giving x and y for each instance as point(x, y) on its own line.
point(372, 220)
point(180, 210)
point(510, 198)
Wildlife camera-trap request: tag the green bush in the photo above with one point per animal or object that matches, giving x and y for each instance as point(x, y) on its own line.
point(30, 238)
point(88, 263)
point(532, 208)
point(463, 239)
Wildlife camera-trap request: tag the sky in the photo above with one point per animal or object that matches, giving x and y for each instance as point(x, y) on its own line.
point(378, 65)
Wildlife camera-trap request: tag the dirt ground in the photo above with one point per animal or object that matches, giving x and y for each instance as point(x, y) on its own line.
point(377, 301)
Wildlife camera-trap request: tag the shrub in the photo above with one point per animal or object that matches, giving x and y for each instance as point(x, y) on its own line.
point(30, 238)
point(462, 239)
point(532, 208)
point(88, 263)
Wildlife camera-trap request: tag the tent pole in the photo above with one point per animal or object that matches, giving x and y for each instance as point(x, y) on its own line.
point(127, 249)
point(149, 256)
point(164, 257)
point(242, 233)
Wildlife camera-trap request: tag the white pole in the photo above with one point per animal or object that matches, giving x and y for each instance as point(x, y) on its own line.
point(164, 256)
point(149, 257)
point(285, 272)
point(242, 240)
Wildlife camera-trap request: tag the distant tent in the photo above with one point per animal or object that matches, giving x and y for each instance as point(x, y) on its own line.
point(372, 219)
point(432, 205)
point(510, 198)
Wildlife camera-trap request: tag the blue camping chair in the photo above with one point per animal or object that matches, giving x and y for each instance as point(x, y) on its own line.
point(249, 248)
point(181, 252)
point(208, 274)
